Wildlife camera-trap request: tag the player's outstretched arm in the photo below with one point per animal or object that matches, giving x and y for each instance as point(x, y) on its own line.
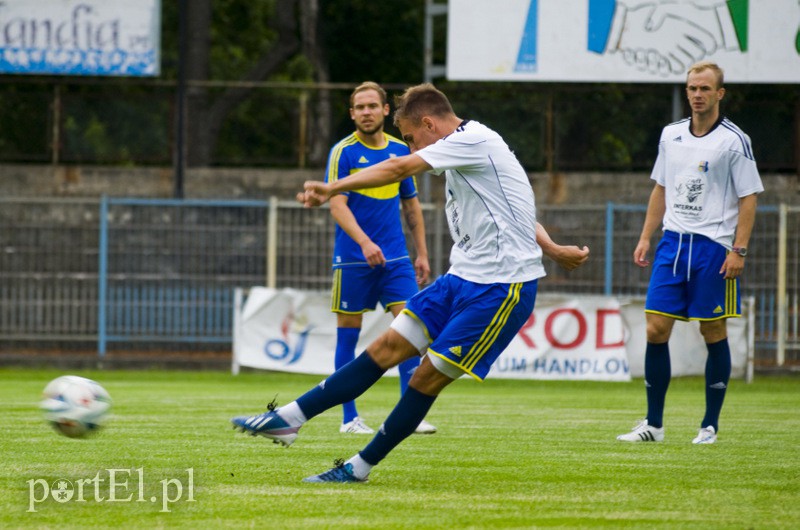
point(315, 193)
point(392, 170)
point(570, 257)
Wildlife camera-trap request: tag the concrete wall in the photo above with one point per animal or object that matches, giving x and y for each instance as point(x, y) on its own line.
point(247, 183)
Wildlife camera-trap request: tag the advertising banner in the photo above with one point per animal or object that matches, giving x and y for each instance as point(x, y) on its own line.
point(293, 331)
point(622, 40)
point(80, 37)
point(566, 338)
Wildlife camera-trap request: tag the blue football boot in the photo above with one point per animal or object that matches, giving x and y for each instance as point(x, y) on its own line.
point(340, 473)
point(269, 425)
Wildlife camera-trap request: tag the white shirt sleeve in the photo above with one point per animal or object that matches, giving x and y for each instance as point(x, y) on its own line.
point(457, 151)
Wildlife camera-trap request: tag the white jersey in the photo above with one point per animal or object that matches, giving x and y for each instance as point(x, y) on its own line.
point(490, 207)
point(704, 177)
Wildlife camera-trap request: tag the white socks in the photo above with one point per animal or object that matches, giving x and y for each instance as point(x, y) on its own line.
point(292, 414)
point(361, 468)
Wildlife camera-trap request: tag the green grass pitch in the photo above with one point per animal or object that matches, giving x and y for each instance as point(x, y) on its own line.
point(508, 454)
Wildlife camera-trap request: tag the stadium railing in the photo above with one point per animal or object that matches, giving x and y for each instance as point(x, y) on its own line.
point(134, 274)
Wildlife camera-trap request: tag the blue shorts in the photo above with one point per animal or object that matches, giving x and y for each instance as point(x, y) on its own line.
point(470, 324)
point(358, 289)
point(686, 283)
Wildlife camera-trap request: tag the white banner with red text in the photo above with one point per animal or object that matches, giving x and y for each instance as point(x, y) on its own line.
point(576, 337)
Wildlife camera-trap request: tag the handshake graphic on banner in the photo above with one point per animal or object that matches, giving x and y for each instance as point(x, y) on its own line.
point(667, 36)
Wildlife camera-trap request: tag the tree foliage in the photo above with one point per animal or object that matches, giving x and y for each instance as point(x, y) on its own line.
point(308, 43)
point(380, 41)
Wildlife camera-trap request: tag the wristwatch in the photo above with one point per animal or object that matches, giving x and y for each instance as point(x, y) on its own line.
point(742, 251)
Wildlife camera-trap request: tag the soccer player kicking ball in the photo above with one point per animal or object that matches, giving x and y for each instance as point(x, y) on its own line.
point(462, 322)
point(705, 196)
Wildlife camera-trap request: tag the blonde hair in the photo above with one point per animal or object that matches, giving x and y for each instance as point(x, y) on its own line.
point(708, 65)
point(368, 85)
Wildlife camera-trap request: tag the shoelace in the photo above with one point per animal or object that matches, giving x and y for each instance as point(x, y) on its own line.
point(271, 406)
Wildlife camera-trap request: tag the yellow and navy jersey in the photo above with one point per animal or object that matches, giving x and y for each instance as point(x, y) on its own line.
point(377, 210)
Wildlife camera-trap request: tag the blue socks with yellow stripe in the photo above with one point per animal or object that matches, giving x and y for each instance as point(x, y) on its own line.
point(657, 373)
point(718, 373)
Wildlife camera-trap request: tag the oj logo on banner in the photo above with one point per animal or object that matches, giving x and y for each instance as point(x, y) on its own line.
point(280, 350)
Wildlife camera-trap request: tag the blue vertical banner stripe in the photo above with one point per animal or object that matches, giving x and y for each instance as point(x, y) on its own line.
point(601, 15)
point(526, 58)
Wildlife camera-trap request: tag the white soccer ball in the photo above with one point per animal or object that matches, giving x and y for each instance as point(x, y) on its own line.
point(75, 405)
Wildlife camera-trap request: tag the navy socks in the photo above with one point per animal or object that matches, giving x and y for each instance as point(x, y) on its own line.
point(401, 423)
point(657, 376)
point(406, 369)
point(657, 373)
point(346, 340)
point(718, 373)
point(345, 384)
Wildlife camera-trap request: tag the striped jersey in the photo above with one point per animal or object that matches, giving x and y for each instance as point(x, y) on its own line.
point(704, 177)
point(489, 205)
point(377, 210)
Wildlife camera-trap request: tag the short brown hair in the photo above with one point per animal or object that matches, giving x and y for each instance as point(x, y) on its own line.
point(368, 85)
point(421, 100)
point(708, 65)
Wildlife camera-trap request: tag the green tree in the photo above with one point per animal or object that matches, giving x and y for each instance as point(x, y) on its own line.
point(369, 40)
point(232, 40)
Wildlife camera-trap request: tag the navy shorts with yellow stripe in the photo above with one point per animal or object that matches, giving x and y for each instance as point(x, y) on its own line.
point(358, 289)
point(470, 324)
point(686, 283)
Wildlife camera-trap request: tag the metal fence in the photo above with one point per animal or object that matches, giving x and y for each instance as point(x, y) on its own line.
point(788, 285)
point(130, 274)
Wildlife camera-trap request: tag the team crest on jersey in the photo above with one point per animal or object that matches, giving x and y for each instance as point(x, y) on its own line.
point(703, 166)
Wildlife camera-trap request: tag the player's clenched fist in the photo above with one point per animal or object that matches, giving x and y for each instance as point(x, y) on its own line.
point(315, 194)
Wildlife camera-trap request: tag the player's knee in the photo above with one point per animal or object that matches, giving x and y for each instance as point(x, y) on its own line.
point(713, 331)
point(430, 379)
point(390, 349)
point(658, 330)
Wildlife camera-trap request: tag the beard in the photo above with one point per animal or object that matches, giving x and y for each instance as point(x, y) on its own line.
point(371, 129)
